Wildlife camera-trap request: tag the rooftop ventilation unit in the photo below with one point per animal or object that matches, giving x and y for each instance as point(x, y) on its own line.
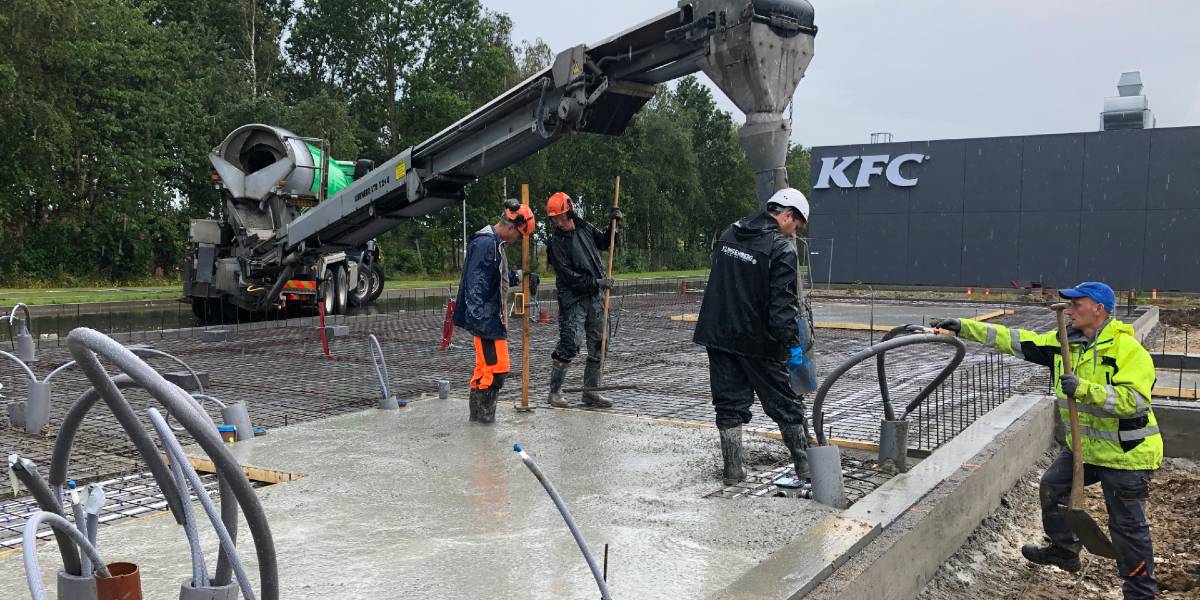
point(1130, 110)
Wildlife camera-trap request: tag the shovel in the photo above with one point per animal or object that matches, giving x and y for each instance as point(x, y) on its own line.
point(1080, 522)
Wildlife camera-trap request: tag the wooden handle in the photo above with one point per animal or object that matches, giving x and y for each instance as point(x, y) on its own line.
point(525, 309)
point(612, 244)
point(1076, 499)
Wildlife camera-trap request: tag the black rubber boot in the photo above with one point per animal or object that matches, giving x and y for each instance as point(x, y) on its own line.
point(591, 379)
point(558, 373)
point(487, 405)
point(1052, 555)
point(795, 437)
point(731, 454)
point(473, 400)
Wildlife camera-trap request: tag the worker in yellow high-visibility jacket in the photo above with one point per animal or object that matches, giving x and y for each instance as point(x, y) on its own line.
point(1119, 437)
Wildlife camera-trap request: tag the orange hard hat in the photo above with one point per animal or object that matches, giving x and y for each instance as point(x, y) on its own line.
point(558, 204)
point(521, 216)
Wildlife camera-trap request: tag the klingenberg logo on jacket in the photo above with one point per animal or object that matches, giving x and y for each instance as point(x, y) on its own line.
point(738, 254)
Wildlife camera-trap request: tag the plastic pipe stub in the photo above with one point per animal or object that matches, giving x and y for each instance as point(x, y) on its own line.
point(226, 592)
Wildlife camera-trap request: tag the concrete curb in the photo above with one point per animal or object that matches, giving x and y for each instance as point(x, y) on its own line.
point(900, 562)
point(948, 495)
point(1145, 323)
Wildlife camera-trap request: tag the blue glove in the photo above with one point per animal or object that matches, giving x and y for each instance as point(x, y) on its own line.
point(796, 362)
point(1070, 384)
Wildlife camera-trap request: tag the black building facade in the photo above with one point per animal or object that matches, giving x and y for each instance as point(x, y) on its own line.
point(1118, 206)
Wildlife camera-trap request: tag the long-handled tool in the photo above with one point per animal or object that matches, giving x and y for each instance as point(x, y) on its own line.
point(524, 406)
point(1080, 522)
point(612, 245)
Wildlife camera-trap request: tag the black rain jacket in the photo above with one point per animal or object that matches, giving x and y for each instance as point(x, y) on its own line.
point(750, 305)
point(575, 256)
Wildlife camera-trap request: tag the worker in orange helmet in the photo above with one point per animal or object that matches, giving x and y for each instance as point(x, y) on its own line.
point(573, 250)
point(480, 304)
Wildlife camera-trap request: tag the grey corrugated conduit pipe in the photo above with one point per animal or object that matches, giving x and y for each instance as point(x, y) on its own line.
point(566, 515)
point(184, 469)
point(825, 462)
point(387, 402)
point(62, 455)
point(199, 569)
point(960, 350)
point(85, 344)
point(49, 501)
point(33, 571)
point(133, 428)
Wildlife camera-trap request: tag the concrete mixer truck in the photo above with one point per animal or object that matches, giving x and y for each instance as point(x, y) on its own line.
point(297, 227)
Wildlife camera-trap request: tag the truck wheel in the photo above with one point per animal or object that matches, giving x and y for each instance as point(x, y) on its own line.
point(341, 301)
point(376, 283)
point(360, 293)
point(328, 290)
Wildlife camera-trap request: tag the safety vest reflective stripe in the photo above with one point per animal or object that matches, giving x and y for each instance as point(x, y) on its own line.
point(1110, 401)
point(1014, 336)
point(1119, 436)
point(991, 336)
point(1096, 411)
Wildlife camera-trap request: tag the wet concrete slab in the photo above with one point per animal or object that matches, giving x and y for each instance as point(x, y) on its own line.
point(420, 503)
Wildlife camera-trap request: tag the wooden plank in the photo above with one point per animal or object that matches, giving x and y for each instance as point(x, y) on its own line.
point(259, 474)
point(1170, 392)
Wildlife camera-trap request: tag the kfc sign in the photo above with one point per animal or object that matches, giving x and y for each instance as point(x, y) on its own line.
point(834, 170)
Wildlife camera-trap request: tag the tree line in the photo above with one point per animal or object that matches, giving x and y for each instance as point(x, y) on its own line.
point(108, 109)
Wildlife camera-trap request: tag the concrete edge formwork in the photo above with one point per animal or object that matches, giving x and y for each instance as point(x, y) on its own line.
point(911, 524)
point(1176, 360)
point(1180, 425)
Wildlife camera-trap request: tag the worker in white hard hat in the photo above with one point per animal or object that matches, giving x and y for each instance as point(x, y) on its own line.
point(748, 324)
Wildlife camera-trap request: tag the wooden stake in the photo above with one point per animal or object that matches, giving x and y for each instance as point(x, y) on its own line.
point(524, 309)
point(612, 244)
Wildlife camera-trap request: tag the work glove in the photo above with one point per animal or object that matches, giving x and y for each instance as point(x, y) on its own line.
point(1070, 384)
point(796, 362)
point(947, 324)
point(617, 215)
point(604, 283)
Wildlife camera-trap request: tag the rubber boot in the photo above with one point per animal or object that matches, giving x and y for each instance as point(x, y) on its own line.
point(591, 379)
point(558, 373)
point(731, 454)
point(795, 437)
point(487, 405)
point(1053, 555)
point(473, 400)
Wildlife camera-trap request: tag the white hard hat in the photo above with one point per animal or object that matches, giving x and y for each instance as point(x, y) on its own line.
point(791, 198)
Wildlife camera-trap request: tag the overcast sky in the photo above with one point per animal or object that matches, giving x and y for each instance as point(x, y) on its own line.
point(932, 69)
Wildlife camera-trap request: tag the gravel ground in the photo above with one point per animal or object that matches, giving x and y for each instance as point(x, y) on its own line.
point(990, 566)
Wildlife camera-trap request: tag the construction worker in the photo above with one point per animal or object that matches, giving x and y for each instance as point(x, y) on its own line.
point(1121, 445)
point(574, 252)
point(480, 305)
point(748, 324)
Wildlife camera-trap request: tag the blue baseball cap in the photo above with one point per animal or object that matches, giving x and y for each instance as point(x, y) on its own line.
point(1100, 292)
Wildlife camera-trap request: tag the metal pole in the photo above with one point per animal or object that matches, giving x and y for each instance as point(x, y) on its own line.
point(829, 277)
point(464, 230)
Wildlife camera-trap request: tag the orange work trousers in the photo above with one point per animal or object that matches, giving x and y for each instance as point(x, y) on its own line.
point(491, 359)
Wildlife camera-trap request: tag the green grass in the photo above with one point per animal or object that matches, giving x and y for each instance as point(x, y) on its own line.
point(409, 284)
point(11, 296)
